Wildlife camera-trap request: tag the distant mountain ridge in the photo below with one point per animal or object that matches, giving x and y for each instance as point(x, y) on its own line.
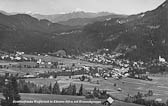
point(85, 21)
point(65, 17)
point(26, 22)
point(77, 18)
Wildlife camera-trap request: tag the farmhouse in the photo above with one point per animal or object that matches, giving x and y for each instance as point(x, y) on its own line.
point(29, 76)
point(51, 77)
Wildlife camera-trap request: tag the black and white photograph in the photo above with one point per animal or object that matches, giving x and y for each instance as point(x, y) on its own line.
point(83, 52)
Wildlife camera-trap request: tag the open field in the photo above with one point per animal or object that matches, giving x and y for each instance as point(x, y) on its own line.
point(45, 97)
point(68, 62)
point(159, 86)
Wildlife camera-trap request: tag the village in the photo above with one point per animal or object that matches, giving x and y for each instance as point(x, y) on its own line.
point(117, 67)
point(99, 64)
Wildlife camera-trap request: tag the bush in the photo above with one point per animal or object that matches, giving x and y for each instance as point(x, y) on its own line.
point(89, 96)
point(103, 97)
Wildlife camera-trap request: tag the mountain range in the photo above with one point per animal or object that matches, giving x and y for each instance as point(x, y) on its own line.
point(85, 21)
point(65, 17)
point(76, 18)
point(142, 36)
point(79, 18)
point(25, 33)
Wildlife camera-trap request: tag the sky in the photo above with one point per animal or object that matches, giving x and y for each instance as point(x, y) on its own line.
point(65, 6)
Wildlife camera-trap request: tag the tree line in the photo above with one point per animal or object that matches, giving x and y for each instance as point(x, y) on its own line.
point(9, 88)
point(29, 87)
point(138, 99)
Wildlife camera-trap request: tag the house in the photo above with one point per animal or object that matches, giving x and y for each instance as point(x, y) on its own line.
point(18, 58)
point(29, 76)
point(158, 100)
point(126, 74)
point(119, 89)
point(19, 53)
point(97, 75)
point(49, 63)
point(162, 59)
point(108, 102)
point(51, 77)
point(39, 61)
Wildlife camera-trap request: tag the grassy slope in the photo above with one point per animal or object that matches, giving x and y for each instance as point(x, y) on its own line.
point(63, 98)
point(159, 85)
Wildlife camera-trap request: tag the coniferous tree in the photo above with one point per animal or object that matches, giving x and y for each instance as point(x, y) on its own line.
point(50, 88)
point(56, 89)
point(45, 90)
point(74, 90)
point(40, 90)
point(16, 95)
point(70, 90)
point(96, 92)
point(1, 83)
point(81, 90)
point(63, 92)
point(167, 102)
point(26, 89)
point(10, 92)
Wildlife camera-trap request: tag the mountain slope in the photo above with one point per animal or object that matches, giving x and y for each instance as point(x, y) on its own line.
point(140, 36)
point(26, 22)
point(25, 33)
point(85, 21)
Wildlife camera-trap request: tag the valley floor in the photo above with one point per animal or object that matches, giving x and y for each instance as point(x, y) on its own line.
point(46, 97)
point(159, 84)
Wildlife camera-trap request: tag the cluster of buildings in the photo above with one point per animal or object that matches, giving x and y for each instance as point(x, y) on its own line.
point(104, 58)
point(120, 67)
point(18, 56)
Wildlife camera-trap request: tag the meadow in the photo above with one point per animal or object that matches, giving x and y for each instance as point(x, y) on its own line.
point(64, 98)
point(159, 86)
